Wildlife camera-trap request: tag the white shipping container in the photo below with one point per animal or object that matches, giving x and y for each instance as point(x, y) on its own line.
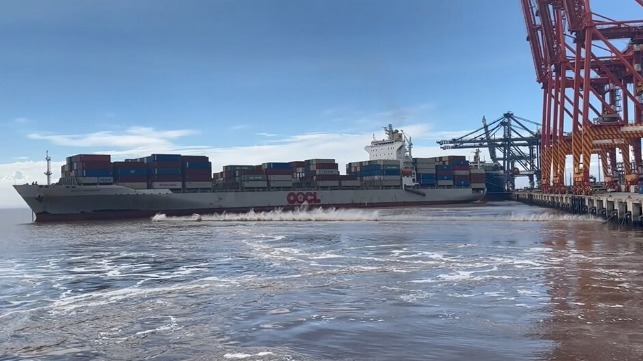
point(350, 183)
point(389, 183)
point(254, 184)
point(445, 182)
point(104, 180)
point(388, 178)
point(317, 161)
point(476, 171)
point(281, 184)
point(327, 183)
point(478, 185)
point(390, 162)
point(87, 180)
point(193, 185)
point(167, 185)
point(279, 177)
point(325, 172)
point(461, 172)
point(133, 185)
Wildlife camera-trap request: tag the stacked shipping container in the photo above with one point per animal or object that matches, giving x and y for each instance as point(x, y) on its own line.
point(164, 171)
point(380, 172)
point(321, 172)
point(196, 171)
point(130, 173)
point(189, 172)
point(89, 168)
point(278, 174)
point(478, 178)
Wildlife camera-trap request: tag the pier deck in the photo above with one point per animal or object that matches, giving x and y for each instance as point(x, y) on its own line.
point(620, 207)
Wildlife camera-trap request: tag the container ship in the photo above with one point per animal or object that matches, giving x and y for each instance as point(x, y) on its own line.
point(93, 187)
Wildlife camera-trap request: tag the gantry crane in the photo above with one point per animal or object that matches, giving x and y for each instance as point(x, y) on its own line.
point(511, 143)
point(592, 91)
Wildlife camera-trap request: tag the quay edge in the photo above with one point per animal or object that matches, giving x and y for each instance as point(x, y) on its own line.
point(617, 207)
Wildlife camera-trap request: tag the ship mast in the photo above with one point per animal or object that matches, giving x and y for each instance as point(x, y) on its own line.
point(48, 172)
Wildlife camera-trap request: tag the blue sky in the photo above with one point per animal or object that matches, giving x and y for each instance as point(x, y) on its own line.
point(255, 81)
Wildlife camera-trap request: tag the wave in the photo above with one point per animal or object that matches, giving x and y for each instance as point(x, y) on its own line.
point(356, 215)
point(305, 215)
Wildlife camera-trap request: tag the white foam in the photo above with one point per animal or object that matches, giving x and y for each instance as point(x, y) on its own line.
point(279, 215)
point(333, 214)
point(240, 356)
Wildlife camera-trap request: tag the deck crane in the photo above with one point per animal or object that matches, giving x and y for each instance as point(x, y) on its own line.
point(512, 145)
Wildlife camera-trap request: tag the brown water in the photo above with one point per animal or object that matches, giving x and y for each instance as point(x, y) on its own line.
point(497, 282)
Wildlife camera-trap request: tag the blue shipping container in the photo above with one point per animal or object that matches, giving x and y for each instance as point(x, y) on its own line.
point(463, 183)
point(121, 171)
point(97, 173)
point(426, 175)
point(427, 182)
point(167, 171)
point(443, 167)
point(198, 165)
point(277, 165)
point(460, 162)
point(445, 177)
point(163, 158)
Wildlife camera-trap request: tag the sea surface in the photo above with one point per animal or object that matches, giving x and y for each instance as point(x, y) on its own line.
point(501, 281)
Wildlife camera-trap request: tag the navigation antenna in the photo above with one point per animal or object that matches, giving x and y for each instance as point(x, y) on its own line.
point(48, 172)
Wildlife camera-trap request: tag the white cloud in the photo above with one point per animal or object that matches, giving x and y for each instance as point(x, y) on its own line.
point(139, 137)
point(19, 173)
point(267, 134)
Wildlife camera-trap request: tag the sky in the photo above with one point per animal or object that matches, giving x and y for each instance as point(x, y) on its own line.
point(247, 82)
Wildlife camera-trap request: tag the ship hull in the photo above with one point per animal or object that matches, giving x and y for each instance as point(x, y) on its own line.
point(70, 203)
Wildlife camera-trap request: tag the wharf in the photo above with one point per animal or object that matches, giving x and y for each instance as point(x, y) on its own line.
point(621, 207)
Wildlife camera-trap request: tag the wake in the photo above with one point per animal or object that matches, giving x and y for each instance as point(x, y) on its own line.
point(316, 215)
point(356, 215)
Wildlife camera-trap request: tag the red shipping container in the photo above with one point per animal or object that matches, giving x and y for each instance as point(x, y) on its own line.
point(255, 171)
point(326, 166)
point(194, 158)
point(460, 167)
point(129, 165)
point(297, 164)
point(165, 178)
point(91, 158)
point(323, 177)
point(347, 177)
point(271, 171)
point(92, 165)
point(196, 171)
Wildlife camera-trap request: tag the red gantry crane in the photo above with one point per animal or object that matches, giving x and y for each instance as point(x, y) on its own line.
point(590, 68)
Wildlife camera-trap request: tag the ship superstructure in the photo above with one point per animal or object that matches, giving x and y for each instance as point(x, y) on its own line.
point(396, 146)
